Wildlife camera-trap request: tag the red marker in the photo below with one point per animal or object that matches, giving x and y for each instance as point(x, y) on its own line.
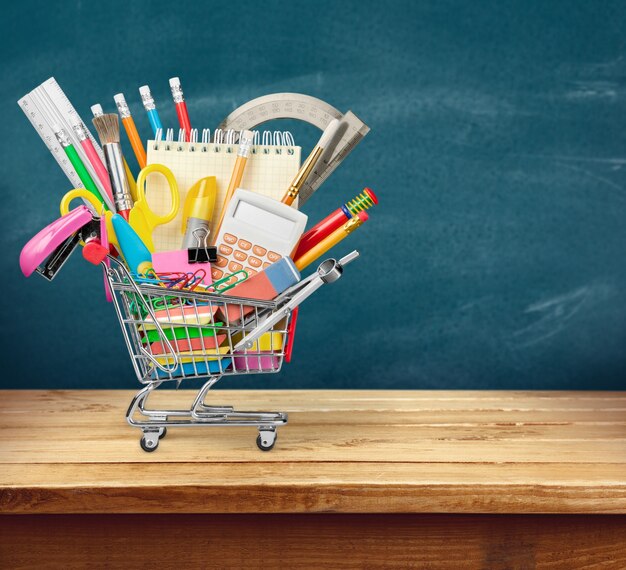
point(181, 107)
point(328, 225)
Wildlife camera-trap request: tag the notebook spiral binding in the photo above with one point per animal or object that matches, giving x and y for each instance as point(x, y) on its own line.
point(224, 141)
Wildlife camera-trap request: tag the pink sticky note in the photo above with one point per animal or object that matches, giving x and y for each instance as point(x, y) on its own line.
point(176, 261)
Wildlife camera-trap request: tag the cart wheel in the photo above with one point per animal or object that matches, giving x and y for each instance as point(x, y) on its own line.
point(149, 444)
point(162, 433)
point(266, 440)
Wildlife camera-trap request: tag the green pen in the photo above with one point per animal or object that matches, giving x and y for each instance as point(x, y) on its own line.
point(77, 163)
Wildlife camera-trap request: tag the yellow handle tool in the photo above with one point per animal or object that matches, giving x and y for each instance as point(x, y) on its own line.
point(142, 219)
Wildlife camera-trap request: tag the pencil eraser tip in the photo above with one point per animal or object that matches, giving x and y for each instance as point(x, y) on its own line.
point(119, 98)
point(144, 90)
point(174, 82)
point(371, 194)
point(363, 216)
point(97, 109)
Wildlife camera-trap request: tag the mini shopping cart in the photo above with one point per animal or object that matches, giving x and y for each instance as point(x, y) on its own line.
point(176, 335)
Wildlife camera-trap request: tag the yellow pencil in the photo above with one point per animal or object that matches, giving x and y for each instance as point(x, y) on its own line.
point(245, 143)
point(330, 240)
point(131, 181)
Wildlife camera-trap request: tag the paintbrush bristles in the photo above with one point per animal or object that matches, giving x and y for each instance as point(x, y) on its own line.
point(108, 127)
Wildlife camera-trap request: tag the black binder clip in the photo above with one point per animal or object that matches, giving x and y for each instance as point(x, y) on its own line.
point(203, 253)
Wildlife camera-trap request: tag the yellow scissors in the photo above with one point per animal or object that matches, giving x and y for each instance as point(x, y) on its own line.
point(141, 217)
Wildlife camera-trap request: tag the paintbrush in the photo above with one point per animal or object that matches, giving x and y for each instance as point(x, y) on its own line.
point(108, 127)
point(309, 164)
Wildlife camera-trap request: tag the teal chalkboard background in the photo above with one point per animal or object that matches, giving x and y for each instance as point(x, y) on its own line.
point(497, 256)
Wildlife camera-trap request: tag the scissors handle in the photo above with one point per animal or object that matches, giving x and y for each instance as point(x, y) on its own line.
point(78, 193)
point(142, 203)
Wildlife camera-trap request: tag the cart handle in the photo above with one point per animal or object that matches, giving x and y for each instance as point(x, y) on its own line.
point(131, 281)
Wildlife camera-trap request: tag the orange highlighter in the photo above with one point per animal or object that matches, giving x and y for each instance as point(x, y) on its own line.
point(131, 129)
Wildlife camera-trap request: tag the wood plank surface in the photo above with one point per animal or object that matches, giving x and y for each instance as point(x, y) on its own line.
point(435, 542)
point(342, 451)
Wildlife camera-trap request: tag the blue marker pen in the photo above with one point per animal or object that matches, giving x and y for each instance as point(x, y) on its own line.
point(150, 107)
point(136, 254)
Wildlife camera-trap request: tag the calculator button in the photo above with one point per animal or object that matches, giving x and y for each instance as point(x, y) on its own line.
point(243, 244)
point(266, 265)
point(233, 266)
point(216, 273)
point(226, 250)
point(221, 261)
point(232, 280)
point(240, 255)
point(254, 261)
point(230, 238)
point(273, 256)
point(258, 250)
point(250, 272)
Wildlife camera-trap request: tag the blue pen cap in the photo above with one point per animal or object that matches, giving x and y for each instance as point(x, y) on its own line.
point(136, 254)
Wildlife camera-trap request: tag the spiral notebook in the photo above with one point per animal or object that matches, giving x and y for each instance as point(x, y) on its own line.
point(273, 162)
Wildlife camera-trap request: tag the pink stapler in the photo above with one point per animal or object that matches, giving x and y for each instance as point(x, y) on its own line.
point(46, 252)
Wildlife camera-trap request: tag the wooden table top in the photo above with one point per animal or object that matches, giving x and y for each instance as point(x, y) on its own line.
point(342, 451)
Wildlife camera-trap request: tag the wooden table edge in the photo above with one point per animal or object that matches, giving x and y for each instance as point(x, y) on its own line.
point(318, 498)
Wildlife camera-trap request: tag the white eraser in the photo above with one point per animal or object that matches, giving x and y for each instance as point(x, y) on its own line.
point(174, 82)
point(329, 133)
point(97, 110)
point(119, 98)
point(144, 90)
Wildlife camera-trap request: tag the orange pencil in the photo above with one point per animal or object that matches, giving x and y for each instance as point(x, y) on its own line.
point(246, 138)
point(131, 129)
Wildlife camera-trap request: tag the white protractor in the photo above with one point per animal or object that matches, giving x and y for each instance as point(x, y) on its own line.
point(308, 109)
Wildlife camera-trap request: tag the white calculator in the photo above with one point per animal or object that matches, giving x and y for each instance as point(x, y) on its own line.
point(256, 232)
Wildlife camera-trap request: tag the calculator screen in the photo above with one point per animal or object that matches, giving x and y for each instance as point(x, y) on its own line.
point(262, 219)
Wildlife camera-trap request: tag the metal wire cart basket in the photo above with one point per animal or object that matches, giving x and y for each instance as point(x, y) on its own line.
point(174, 335)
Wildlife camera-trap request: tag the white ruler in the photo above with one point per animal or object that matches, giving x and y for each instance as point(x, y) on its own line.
point(47, 106)
point(313, 111)
point(67, 112)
